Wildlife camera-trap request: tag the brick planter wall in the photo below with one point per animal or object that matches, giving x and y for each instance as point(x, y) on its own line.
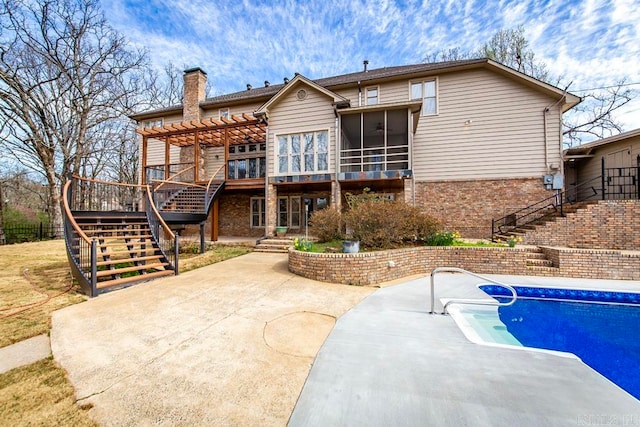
point(369, 268)
point(609, 224)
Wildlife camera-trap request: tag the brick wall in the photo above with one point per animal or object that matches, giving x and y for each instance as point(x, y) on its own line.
point(369, 268)
point(235, 216)
point(608, 224)
point(469, 206)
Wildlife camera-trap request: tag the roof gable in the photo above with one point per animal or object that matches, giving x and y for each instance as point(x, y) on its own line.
point(298, 80)
point(589, 147)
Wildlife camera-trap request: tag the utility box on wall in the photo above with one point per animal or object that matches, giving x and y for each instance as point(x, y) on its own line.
point(553, 182)
point(558, 181)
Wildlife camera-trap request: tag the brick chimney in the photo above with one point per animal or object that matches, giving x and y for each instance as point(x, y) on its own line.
point(195, 82)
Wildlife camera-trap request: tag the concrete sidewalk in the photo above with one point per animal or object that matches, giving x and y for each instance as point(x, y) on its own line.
point(227, 344)
point(24, 352)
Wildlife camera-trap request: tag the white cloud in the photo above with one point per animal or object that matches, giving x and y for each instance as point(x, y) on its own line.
point(591, 42)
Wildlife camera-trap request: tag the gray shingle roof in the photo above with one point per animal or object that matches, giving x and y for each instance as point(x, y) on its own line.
point(344, 79)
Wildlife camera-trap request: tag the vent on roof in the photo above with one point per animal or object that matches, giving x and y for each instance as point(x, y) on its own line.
point(286, 80)
point(365, 62)
point(266, 83)
point(249, 86)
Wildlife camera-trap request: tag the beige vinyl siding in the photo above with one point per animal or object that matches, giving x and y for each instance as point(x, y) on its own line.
point(212, 164)
point(505, 138)
point(592, 168)
point(290, 115)
point(397, 91)
point(234, 110)
point(155, 148)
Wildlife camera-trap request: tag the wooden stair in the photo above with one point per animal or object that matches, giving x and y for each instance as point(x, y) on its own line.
point(127, 252)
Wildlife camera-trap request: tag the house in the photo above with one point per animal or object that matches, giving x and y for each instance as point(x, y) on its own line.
point(606, 168)
point(467, 141)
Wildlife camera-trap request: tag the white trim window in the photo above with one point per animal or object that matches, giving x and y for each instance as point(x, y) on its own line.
point(427, 91)
point(258, 209)
point(372, 95)
point(302, 153)
point(153, 123)
point(223, 112)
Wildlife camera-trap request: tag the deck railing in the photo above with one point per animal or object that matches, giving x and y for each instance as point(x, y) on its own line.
point(89, 195)
point(81, 251)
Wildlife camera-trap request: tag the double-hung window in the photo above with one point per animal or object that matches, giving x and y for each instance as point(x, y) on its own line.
point(427, 92)
point(257, 212)
point(372, 96)
point(303, 153)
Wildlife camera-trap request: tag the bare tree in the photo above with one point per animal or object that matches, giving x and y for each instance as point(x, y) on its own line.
point(65, 75)
point(594, 117)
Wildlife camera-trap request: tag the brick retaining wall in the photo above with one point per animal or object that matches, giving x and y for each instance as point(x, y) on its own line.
point(608, 224)
point(369, 268)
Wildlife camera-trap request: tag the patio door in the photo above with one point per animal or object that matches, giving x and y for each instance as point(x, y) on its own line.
point(289, 209)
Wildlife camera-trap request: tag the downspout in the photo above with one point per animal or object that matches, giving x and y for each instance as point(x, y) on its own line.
point(359, 94)
point(266, 185)
point(546, 142)
point(337, 191)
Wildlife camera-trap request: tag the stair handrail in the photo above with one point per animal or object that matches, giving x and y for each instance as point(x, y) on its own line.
point(213, 176)
point(185, 184)
point(69, 216)
point(169, 241)
point(208, 196)
point(153, 208)
point(492, 301)
point(170, 179)
point(555, 201)
point(83, 257)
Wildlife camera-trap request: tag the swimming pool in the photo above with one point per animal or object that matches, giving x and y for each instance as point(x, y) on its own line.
point(600, 327)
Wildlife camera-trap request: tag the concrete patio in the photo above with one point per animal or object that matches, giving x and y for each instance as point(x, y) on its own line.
point(234, 344)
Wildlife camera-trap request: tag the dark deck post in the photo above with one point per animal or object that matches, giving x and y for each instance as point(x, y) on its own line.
point(202, 248)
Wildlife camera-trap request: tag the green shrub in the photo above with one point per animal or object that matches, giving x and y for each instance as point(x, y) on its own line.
point(327, 224)
point(442, 238)
point(302, 245)
point(379, 223)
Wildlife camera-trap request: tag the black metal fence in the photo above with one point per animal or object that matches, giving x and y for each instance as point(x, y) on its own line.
point(30, 233)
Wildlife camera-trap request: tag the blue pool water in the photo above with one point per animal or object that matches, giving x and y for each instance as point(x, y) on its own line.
point(599, 327)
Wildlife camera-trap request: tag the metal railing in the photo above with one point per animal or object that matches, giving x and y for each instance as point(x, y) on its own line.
point(103, 196)
point(214, 186)
point(20, 233)
point(167, 240)
point(81, 251)
point(88, 195)
point(492, 301)
point(545, 208)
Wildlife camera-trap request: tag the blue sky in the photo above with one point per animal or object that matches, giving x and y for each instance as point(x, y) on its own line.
point(593, 43)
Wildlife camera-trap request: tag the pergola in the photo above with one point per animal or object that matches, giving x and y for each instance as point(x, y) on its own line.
point(212, 132)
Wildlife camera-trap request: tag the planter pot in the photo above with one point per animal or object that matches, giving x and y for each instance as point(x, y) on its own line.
point(351, 246)
point(281, 231)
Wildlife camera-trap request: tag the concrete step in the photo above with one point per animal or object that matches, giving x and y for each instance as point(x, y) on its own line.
point(271, 250)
